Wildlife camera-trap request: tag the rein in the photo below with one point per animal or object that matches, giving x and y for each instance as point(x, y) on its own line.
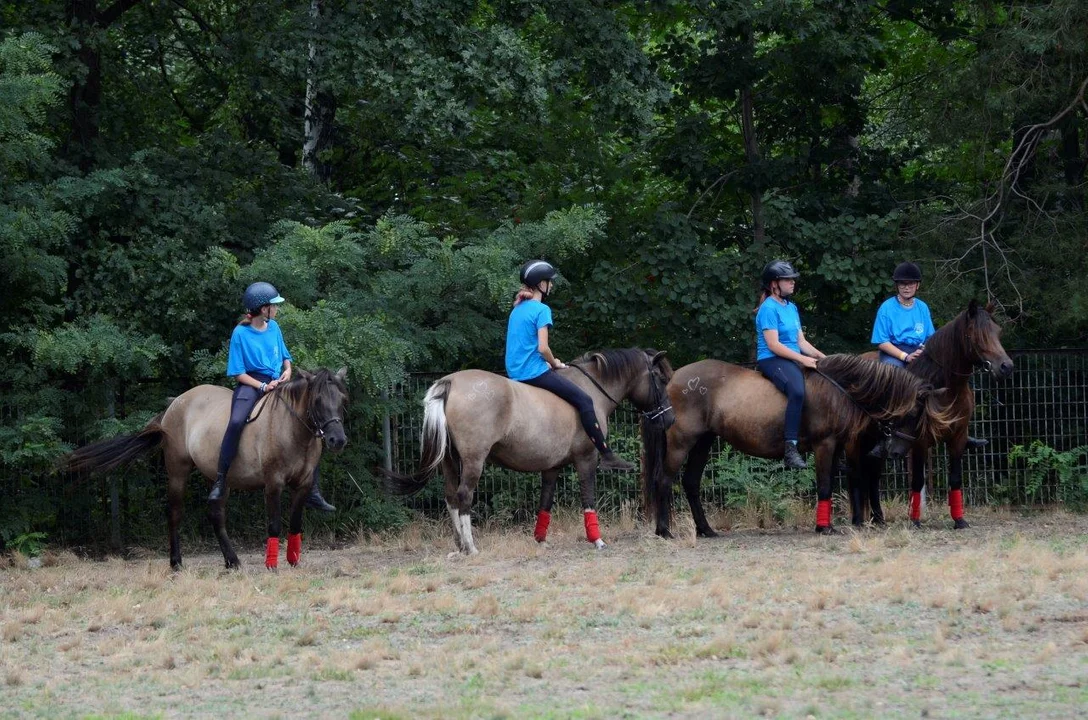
point(886, 428)
point(318, 431)
point(662, 407)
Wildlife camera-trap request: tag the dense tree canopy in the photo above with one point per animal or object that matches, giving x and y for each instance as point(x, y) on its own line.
point(388, 165)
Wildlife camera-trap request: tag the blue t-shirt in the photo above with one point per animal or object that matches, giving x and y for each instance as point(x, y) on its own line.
point(902, 326)
point(523, 360)
point(257, 350)
point(773, 315)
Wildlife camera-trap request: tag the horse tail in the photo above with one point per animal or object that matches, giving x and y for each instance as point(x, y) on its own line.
point(115, 452)
point(655, 486)
point(436, 443)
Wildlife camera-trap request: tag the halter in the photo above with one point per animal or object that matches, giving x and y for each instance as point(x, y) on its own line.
point(318, 431)
point(886, 428)
point(661, 408)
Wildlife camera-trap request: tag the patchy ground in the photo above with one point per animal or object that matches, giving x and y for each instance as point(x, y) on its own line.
point(987, 622)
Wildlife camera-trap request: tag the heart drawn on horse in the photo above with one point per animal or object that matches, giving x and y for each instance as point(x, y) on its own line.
point(692, 384)
point(481, 387)
point(702, 390)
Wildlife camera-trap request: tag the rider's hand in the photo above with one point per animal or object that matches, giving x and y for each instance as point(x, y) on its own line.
point(271, 385)
point(809, 362)
point(558, 364)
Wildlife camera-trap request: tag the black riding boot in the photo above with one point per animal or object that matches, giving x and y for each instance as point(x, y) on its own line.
point(976, 443)
point(315, 501)
point(612, 461)
point(792, 458)
point(218, 488)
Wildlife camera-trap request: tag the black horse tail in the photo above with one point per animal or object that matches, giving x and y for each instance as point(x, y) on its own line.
point(656, 488)
point(436, 443)
point(116, 452)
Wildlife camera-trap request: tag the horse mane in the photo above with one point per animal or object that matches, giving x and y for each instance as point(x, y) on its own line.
point(621, 363)
point(886, 393)
point(299, 391)
point(947, 348)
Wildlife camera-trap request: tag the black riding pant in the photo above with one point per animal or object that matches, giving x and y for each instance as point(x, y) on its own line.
point(576, 396)
point(787, 377)
point(241, 405)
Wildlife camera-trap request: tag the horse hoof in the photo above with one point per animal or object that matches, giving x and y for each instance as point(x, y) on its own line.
point(827, 530)
point(917, 524)
point(879, 523)
point(664, 533)
point(599, 544)
point(960, 524)
point(233, 564)
point(706, 533)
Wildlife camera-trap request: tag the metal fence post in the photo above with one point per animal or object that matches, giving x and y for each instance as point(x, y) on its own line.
point(387, 439)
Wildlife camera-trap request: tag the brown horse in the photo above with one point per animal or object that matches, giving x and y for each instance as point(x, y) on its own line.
point(850, 403)
point(971, 340)
point(280, 449)
point(473, 416)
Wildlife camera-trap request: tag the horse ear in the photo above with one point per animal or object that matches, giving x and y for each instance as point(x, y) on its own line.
point(972, 308)
point(342, 373)
point(305, 375)
point(990, 307)
point(659, 357)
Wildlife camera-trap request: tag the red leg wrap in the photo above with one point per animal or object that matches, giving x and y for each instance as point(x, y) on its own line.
point(823, 513)
point(294, 548)
point(272, 554)
point(543, 520)
point(593, 530)
point(916, 506)
point(955, 504)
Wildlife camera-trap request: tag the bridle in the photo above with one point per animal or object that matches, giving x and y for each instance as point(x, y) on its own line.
point(313, 427)
point(661, 405)
point(888, 429)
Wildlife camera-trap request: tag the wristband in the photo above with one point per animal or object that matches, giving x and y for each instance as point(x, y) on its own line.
point(904, 358)
point(263, 386)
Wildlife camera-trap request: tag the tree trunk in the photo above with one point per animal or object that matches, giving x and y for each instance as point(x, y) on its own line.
point(320, 109)
point(751, 153)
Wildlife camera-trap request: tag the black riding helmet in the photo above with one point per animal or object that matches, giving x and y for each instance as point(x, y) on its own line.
point(260, 294)
point(777, 270)
point(907, 272)
point(536, 271)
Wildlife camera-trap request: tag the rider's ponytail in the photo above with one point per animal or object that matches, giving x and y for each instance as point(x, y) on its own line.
point(523, 294)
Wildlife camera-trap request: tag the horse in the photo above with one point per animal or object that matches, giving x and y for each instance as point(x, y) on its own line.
point(970, 340)
point(472, 417)
point(850, 403)
point(280, 450)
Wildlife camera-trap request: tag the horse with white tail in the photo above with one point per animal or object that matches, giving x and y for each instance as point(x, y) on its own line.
point(472, 416)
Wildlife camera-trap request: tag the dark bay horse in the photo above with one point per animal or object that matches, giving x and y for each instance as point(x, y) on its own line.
point(850, 404)
point(970, 340)
point(472, 417)
point(279, 449)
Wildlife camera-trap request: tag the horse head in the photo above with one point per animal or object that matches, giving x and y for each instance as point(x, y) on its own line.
point(650, 395)
point(322, 395)
point(983, 337)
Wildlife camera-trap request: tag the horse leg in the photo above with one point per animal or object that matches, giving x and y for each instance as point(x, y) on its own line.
point(548, 480)
point(217, 513)
point(825, 463)
point(857, 489)
point(299, 498)
point(693, 477)
point(873, 468)
point(917, 466)
point(587, 477)
point(675, 452)
point(459, 492)
point(176, 473)
point(272, 493)
point(956, 448)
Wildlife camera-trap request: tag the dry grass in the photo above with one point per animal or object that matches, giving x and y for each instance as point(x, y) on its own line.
point(753, 623)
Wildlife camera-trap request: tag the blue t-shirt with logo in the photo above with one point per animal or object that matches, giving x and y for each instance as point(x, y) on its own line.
point(523, 360)
point(257, 350)
point(902, 326)
point(784, 318)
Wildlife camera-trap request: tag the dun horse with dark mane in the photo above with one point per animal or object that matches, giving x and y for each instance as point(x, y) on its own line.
point(279, 450)
point(850, 404)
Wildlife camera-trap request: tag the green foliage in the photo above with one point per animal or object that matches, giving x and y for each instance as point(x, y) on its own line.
point(1067, 470)
point(755, 483)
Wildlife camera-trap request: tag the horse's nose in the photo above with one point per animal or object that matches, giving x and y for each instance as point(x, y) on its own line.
point(1006, 368)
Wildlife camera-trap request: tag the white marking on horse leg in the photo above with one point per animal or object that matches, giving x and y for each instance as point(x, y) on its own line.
point(455, 518)
point(600, 544)
point(466, 534)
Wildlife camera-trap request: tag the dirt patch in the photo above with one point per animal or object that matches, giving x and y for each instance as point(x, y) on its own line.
point(980, 623)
